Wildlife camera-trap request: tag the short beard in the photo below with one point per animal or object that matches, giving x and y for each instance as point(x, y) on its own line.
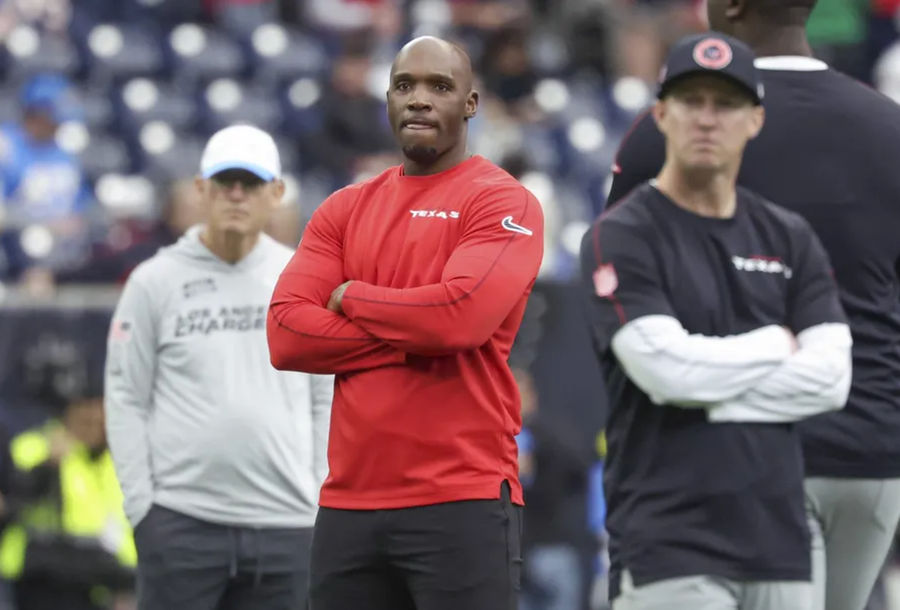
point(423, 155)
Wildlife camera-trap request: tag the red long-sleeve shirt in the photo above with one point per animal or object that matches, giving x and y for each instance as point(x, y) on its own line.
point(425, 407)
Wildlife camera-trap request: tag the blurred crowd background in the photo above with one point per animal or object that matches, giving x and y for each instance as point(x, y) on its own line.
point(104, 109)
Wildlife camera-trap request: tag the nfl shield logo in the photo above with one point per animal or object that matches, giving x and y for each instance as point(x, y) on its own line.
point(712, 53)
point(605, 280)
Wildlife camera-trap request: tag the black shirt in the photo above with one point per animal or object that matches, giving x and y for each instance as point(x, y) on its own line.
point(686, 496)
point(829, 151)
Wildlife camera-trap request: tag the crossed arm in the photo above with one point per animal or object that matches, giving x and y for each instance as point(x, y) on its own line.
point(319, 321)
point(764, 375)
point(757, 376)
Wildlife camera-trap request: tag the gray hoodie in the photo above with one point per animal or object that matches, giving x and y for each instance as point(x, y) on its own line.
point(197, 418)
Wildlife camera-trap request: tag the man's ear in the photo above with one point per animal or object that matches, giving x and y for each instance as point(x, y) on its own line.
point(658, 111)
point(757, 121)
point(736, 9)
point(279, 188)
point(471, 105)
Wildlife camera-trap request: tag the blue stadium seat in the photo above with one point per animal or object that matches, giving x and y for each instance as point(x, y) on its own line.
point(167, 155)
point(104, 153)
point(302, 105)
point(198, 54)
point(96, 107)
point(279, 54)
point(29, 52)
point(124, 196)
point(167, 13)
point(116, 52)
point(227, 101)
point(142, 100)
point(9, 104)
point(290, 156)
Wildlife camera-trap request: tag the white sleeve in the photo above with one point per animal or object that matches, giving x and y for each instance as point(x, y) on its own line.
point(322, 395)
point(129, 378)
point(673, 367)
point(815, 379)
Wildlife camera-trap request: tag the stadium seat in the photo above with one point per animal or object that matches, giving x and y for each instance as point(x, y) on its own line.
point(143, 100)
point(9, 104)
point(287, 150)
point(96, 107)
point(279, 54)
point(165, 13)
point(104, 153)
point(167, 156)
point(123, 195)
point(226, 101)
point(30, 52)
point(115, 52)
point(198, 54)
point(301, 102)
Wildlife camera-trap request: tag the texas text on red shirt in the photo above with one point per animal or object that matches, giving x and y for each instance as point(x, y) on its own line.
point(425, 406)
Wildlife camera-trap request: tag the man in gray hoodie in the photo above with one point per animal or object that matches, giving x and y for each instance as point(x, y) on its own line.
point(220, 457)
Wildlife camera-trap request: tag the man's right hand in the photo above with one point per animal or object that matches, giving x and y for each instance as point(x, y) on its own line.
point(60, 445)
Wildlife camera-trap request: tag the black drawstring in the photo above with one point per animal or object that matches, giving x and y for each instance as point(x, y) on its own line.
point(235, 536)
point(257, 578)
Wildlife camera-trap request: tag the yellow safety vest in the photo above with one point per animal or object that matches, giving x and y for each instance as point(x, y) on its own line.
point(91, 502)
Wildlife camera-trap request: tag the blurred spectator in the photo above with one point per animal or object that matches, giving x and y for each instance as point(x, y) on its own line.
point(158, 15)
point(640, 47)
point(837, 33)
point(354, 137)
point(599, 587)
point(337, 16)
point(882, 30)
point(42, 213)
point(336, 21)
point(554, 470)
point(488, 15)
point(241, 17)
point(285, 224)
point(508, 72)
point(887, 72)
point(68, 544)
point(473, 22)
point(180, 211)
point(6, 480)
point(49, 15)
point(589, 36)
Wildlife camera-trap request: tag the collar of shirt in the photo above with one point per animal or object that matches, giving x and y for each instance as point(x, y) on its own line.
point(794, 63)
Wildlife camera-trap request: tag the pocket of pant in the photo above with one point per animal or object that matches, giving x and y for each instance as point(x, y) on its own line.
point(143, 524)
point(146, 536)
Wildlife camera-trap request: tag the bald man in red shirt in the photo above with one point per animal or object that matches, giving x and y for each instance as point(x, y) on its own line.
point(411, 287)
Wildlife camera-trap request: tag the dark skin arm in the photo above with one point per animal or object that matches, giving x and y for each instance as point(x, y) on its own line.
point(337, 297)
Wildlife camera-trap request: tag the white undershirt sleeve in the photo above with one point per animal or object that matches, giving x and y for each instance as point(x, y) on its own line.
point(815, 379)
point(674, 367)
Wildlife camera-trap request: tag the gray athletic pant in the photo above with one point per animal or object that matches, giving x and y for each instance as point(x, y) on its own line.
point(189, 564)
point(712, 593)
point(852, 522)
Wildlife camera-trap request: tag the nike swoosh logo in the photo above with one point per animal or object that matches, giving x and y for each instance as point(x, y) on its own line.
point(509, 225)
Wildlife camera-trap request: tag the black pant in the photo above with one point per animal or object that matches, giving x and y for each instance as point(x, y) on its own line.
point(188, 564)
point(452, 556)
point(48, 594)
